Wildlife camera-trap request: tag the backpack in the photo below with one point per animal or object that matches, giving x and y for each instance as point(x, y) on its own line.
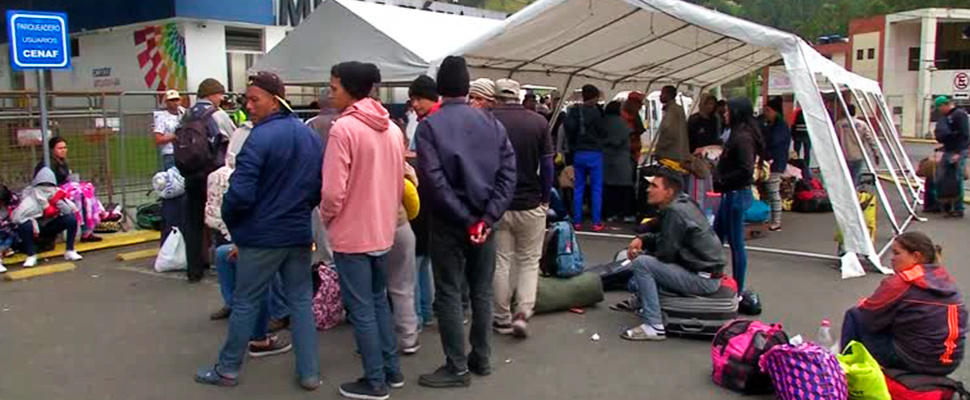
point(805, 372)
point(906, 385)
point(194, 151)
point(562, 257)
point(328, 308)
point(149, 216)
point(811, 197)
point(737, 350)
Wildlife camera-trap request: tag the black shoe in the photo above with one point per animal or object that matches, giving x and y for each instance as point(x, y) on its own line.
point(275, 346)
point(444, 378)
point(360, 389)
point(395, 381)
point(480, 368)
point(195, 278)
point(223, 313)
point(955, 214)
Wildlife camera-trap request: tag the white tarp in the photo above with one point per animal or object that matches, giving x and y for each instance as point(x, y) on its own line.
point(645, 44)
point(400, 41)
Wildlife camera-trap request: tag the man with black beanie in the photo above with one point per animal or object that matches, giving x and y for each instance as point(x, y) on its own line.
point(467, 166)
point(423, 93)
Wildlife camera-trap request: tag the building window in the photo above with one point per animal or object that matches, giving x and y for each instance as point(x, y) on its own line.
point(244, 39)
point(872, 54)
point(914, 58)
point(75, 47)
point(860, 54)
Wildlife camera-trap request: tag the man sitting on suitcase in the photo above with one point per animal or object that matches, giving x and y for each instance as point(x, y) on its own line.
point(681, 254)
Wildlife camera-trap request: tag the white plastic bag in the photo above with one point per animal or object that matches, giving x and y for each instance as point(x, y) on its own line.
point(169, 184)
point(171, 257)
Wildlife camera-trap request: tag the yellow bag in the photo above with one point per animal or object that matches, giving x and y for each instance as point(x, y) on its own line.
point(863, 374)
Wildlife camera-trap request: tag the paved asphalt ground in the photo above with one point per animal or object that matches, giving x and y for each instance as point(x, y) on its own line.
point(113, 330)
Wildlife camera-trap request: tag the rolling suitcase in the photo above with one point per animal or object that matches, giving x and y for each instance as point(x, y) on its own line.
point(698, 316)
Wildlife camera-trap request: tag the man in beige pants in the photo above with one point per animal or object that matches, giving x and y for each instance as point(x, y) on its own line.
point(518, 236)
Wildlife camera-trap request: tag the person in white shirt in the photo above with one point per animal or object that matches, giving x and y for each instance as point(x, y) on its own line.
point(166, 121)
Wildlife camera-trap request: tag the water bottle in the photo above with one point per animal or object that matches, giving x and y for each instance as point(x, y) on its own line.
point(824, 338)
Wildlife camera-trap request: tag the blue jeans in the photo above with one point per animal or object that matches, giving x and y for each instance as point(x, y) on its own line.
point(363, 290)
point(48, 231)
point(729, 226)
point(855, 171)
point(803, 142)
point(588, 163)
point(168, 161)
point(255, 271)
point(227, 284)
point(651, 274)
point(424, 290)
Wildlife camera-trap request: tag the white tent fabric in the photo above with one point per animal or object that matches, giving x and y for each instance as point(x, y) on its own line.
point(400, 41)
point(644, 44)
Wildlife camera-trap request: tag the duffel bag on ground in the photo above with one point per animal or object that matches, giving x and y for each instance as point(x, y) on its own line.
point(557, 294)
point(805, 372)
point(906, 385)
point(736, 351)
point(811, 197)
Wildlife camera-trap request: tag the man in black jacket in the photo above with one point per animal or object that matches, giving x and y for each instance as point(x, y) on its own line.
point(953, 132)
point(682, 254)
point(585, 132)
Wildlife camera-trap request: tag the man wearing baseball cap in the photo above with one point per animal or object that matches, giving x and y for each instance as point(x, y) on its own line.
point(953, 132)
point(267, 209)
point(165, 123)
point(519, 234)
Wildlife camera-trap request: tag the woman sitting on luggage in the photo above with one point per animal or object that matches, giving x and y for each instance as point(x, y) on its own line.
point(916, 320)
point(81, 193)
point(44, 212)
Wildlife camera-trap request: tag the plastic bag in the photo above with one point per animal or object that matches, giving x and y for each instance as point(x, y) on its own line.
point(862, 371)
point(169, 184)
point(171, 257)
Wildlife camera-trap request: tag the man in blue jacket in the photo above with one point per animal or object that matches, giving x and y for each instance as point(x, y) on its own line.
point(467, 167)
point(267, 208)
point(953, 132)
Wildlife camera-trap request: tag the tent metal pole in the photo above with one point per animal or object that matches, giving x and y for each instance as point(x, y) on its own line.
point(885, 248)
point(892, 171)
point(864, 103)
point(894, 139)
point(865, 156)
point(573, 41)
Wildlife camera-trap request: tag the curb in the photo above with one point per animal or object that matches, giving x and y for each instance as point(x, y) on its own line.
point(26, 273)
point(918, 140)
point(136, 255)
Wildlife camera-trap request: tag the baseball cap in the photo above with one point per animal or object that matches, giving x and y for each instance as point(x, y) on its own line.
point(941, 101)
point(172, 95)
point(507, 88)
point(271, 83)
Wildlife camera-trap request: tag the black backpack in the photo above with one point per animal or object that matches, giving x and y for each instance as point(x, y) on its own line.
point(194, 150)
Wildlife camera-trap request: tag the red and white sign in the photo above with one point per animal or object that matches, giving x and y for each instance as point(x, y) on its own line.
point(961, 81)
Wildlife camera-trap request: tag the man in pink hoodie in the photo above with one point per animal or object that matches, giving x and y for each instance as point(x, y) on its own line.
point(362, 191)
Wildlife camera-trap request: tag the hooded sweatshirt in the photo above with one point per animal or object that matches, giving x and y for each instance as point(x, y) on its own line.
point(362, 179)
point(36, 198)
point(924, 310)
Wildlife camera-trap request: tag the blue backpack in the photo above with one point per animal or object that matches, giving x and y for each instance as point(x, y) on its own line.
point(562, 257)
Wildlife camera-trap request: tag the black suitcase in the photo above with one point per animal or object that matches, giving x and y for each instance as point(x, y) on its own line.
point(698, 316)
point(615, 275)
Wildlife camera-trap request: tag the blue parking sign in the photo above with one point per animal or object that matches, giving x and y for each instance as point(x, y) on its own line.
point(38, 40)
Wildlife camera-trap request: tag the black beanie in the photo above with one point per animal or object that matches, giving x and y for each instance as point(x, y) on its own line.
point(424, 87)
point(776, 103)
point(453, 78)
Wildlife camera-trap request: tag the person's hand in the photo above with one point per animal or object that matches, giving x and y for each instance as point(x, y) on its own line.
point(233, 254)
point(634, 249)
point(478, 232)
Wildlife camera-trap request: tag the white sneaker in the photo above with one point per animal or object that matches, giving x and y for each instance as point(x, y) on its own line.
point(31, 261)
point(2, 268)
point(72, 255)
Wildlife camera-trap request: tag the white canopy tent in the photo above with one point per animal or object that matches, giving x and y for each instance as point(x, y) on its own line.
point(645, 44)
point(400, 41)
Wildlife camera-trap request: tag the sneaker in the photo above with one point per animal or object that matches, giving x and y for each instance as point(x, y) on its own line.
point(444, 378)
point(30, 262)
point(360, 389)
point(480, 368)
point(520, 328)
point(276, 325)
point(577, 227)
point(502, 329)
point(599, 228)
point(428, 322)
point(2, 268)
point(395, 381)
point(955, 214)
point(310, 383)
point(209, 376)
point(72, 255)
point(91, 238)
point(411, 350)
point(276, 345)
point(774, 228)
point(223, 313)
